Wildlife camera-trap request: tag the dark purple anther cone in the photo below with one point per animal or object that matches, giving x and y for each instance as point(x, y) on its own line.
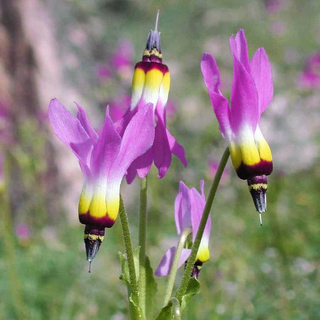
point(93, 237)
point(258, 188)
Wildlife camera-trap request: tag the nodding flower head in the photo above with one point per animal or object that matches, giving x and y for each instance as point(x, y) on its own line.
point(188, 209)
point(252, 92)
point(104, 160)
point(151, 84)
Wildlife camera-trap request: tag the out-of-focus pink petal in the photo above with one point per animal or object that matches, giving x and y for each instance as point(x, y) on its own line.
point(106, 150)
point(167, 260)
point(137, 139)
point(82, 117)
point(244, 109)
point(220, 104)
point(239, 48)
point(161, 149)
point(182, 208)
point(177, 149)
point(262, 76)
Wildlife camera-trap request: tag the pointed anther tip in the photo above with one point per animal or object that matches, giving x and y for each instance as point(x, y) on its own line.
point(157, 20)
point(260, 218)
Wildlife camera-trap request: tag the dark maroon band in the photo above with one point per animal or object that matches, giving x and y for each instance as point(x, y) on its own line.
point(104, 222)
point(262, 168)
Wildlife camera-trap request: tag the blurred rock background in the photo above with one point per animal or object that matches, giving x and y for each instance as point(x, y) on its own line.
point(71, 50)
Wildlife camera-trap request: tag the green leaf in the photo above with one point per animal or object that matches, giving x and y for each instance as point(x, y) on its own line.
point(171, 311)
point(192, 289)
point(151, 289)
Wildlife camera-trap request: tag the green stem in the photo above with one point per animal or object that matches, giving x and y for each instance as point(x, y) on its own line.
point(174, 268)
point(129, 251)
point(186, 276)
point(142, 243)
point(9, 246)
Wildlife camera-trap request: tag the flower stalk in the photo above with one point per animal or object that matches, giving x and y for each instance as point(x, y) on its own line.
point(129, 251)
point(142, 243)
point(188, 270)
point(174, 268)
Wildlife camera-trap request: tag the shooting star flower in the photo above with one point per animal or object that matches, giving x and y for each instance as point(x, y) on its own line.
point(151, 84)
point(252, 92)
point(104, 160)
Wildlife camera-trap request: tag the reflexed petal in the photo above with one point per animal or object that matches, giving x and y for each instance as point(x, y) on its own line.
point(239, 48)
point(137, 139)
point(165, 264)
point(141, 165)
point(161, 149)
point(106, 150)
point(220, 104)
point(182, 208)
point(197, 204)
point(82, 117)
point(177, 149)
point(262, 75)
point(67, 127)
point(244, 99)
point(70, 131)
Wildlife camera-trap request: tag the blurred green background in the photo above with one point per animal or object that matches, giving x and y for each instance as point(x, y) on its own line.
point(64, 49)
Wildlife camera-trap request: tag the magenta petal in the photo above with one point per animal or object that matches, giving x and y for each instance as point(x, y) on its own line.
point(82, 117)
point(161, 149)
point(122, 123)
point(107, 148)
point(70, 131)
point(182, 208)
point(220, 104)
point(262, 74)
point(239, 48)
point(141, 165)
point(244, 109)
point(177, 149)
point(198, 203)
point(165, 264)
point(137, 139)
point(67, 127)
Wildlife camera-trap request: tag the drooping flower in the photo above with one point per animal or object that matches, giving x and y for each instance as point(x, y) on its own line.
point(310, 76)
point(251, 93)
point(104, 160)
point(150, 84)
point(188, 209)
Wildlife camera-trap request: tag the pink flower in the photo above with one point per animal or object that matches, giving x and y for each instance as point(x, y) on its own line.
point(252, 92)
point(310, 76)
point(23, 232)
point(118, 107)
point(104, 160)
point(188, 209)
point(212, 169)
